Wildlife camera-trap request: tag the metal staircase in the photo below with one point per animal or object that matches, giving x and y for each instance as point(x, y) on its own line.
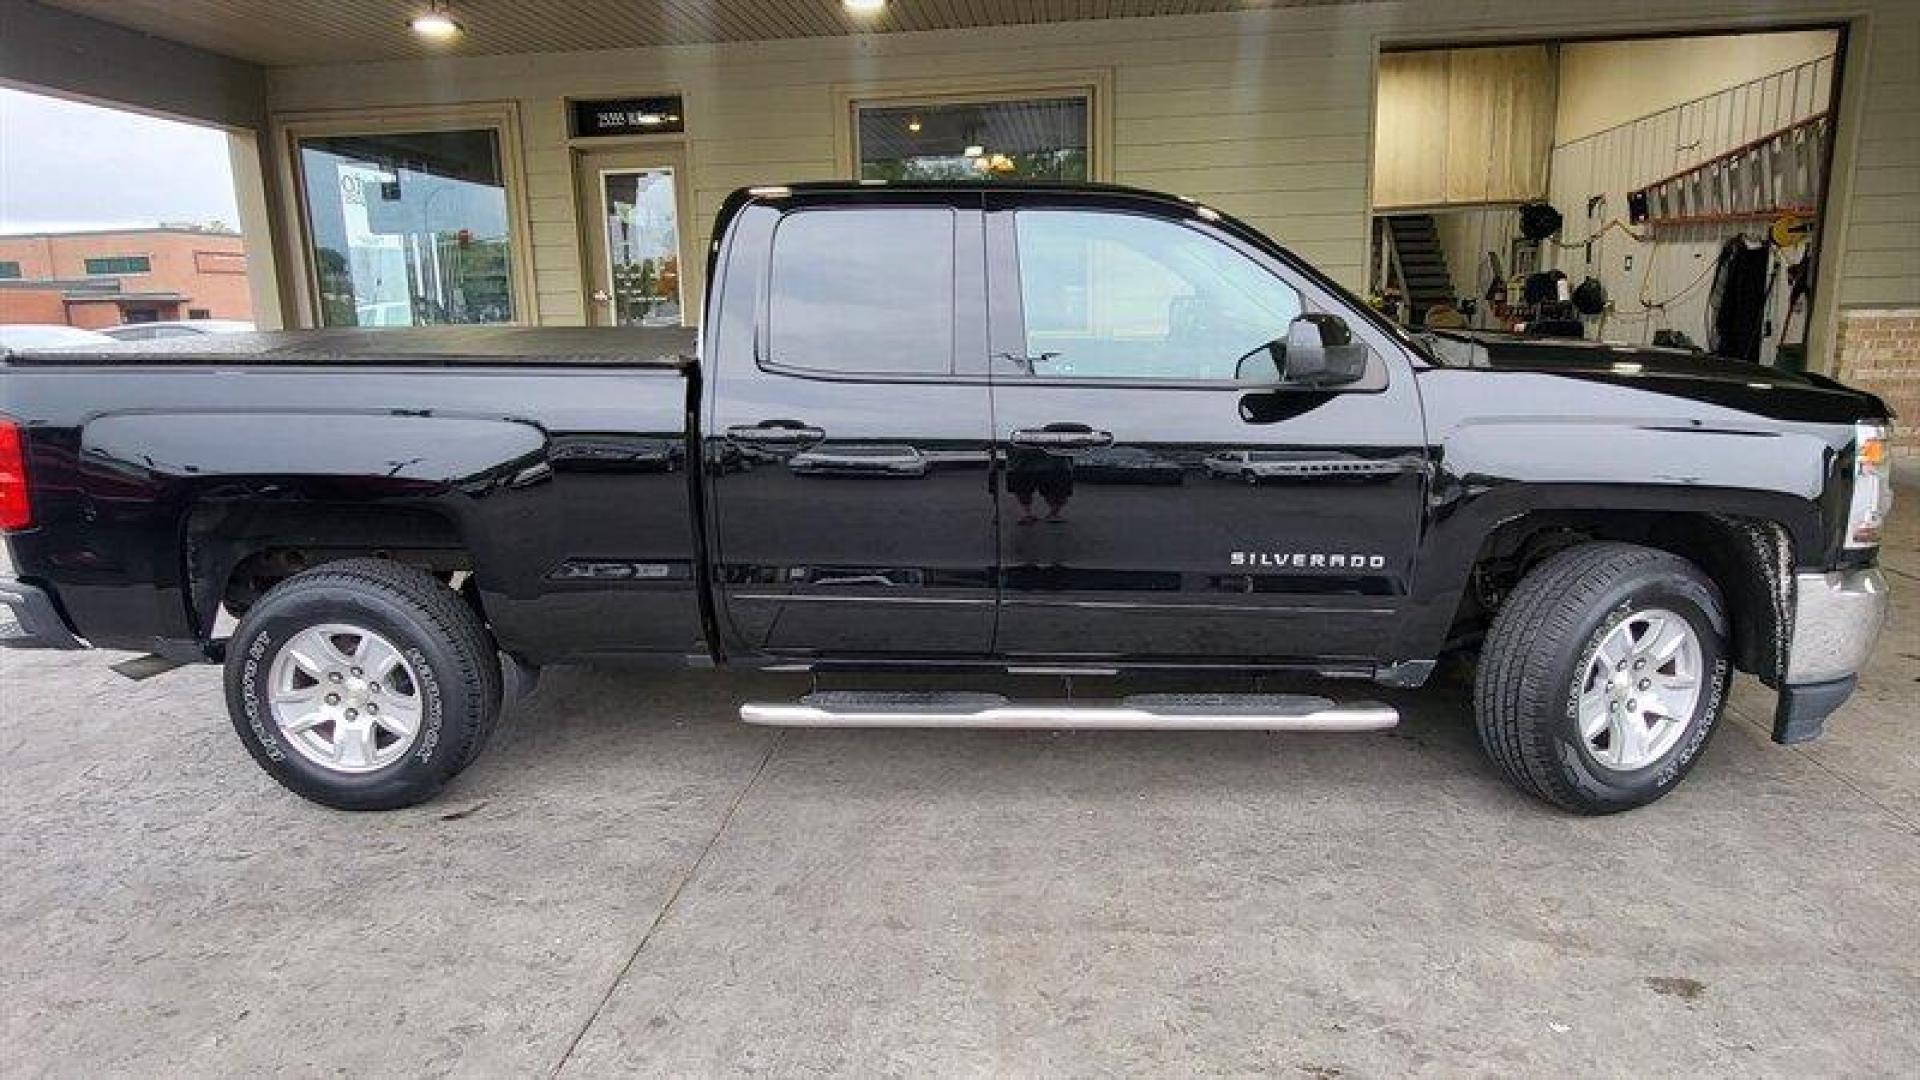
point(1407, 248)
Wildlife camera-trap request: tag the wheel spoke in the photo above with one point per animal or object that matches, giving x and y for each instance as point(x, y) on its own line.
point(1675, 684)
point(305, 720)
point(400, 715)
point(353, 743)
point(1629, 738)
point(305, 651)
point(1612, 651)
point(377, 658)
point(1593, 712)
point(1671, 636)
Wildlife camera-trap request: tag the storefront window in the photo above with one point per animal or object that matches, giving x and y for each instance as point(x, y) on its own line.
point(408, 229)
point(1041, 139)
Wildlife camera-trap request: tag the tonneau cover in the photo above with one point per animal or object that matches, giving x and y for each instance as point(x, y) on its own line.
point(625, 346)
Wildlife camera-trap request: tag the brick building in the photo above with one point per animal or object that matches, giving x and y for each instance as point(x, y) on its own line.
point(104, 278)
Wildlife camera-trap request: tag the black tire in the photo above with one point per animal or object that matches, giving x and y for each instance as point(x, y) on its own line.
point(438, 633)
point(1535, 660)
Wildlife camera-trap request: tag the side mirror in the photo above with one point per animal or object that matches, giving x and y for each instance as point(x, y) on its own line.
point(1318, 351)
point(1321, 352)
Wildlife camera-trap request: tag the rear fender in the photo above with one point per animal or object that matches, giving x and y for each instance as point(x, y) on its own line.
point(228, 484)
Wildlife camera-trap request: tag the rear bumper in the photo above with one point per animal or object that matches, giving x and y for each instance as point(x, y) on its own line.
point(28, 619)
point(1836, 621)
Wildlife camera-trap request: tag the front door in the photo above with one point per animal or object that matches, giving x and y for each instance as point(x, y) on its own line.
point(1162, 493)
point(632, 204)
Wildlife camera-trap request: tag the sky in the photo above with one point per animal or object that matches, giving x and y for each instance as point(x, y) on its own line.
point(64, 165)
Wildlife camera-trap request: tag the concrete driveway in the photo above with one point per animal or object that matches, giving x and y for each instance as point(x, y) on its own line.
point(631, 882)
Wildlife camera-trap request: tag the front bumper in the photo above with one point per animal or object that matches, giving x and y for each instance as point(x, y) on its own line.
point(28, 619)
point(1836, 621)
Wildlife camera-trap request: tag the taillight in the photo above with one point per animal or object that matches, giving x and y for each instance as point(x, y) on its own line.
point(15, 511)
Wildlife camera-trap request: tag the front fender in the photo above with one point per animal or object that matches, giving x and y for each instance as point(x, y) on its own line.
point(1489, 472)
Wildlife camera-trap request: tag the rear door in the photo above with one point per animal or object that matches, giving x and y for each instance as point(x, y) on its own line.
point(848, 434)
point(1159, 499)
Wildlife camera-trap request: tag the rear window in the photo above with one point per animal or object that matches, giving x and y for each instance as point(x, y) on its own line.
point(866, 292)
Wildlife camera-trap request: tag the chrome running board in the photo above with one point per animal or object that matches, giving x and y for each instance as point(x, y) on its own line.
point(1141, 712)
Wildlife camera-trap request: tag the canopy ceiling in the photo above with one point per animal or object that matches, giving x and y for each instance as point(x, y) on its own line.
point(287, 32)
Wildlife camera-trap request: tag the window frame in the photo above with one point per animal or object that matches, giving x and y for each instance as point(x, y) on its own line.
point(502, 117)
point(968, 362)
point(1095, 86)
point(1008, 308)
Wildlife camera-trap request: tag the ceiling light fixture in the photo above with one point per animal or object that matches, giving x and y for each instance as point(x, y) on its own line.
point(973, 151)
point(864, 7)
point(436, 23)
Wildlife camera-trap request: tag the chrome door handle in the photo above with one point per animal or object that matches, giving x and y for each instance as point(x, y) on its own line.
point(785, 433)
point(1043, 439)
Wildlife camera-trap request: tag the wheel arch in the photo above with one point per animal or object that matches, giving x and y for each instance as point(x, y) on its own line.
point(235, 551)
point(1749, 559)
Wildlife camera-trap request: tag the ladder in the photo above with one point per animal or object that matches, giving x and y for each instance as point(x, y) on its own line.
point(1778, 173)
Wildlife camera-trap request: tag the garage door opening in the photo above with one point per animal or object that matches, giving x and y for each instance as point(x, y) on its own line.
point(116, 224)
point(1661, 190)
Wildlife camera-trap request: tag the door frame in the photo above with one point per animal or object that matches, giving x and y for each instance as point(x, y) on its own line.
point(591, 166)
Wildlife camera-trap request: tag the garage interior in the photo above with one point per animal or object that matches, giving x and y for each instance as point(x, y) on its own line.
point(1654, 190)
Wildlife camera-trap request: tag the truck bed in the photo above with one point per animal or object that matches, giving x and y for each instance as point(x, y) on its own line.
point(581, 346)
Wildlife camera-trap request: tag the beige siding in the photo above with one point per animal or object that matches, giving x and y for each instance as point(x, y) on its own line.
point(1266, 114)
point(1882, 267)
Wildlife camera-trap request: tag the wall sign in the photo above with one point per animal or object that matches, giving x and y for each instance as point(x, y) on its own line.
point(627, 116)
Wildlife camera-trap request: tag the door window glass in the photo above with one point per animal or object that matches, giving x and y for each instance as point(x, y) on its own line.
point(1039, 139)
point(1119, 296)
point(408, 229)
point(863, 291)
point(643, 246)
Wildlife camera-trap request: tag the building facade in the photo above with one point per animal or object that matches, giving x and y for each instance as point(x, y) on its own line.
point(561, 163)
point(104, 278)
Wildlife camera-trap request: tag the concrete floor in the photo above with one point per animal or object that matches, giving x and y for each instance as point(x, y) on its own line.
point(632, 882)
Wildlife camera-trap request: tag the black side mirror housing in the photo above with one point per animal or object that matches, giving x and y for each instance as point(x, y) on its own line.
point(1321, 352)
point(1318, 351)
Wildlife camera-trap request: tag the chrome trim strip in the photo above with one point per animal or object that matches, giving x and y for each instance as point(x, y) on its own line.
point(1245, 609)
point(1836, 620)
point(1360, 716)
point(815, 598)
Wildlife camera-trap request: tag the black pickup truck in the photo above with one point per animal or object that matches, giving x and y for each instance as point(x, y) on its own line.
point(954, 433)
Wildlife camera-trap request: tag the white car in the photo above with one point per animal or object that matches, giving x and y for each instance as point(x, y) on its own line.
point(19, 336)
point(158, 331)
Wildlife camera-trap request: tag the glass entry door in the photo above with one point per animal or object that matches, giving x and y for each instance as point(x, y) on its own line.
point(630, 203)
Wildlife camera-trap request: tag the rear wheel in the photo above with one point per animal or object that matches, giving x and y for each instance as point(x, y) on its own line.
point(1603, 676)
point(363, 684)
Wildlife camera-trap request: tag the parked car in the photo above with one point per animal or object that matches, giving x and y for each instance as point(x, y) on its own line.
point(404, 524)
point(18, 336)
point(160, 331)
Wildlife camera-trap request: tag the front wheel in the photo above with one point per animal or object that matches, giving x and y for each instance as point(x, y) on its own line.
point(362, 684)
point(1603, 676)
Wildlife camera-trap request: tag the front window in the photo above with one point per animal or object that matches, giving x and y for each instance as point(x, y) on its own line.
point(1118, 296)
point(409, 229)
point(1031, 139)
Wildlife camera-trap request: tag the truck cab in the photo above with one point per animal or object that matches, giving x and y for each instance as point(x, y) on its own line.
point(1007, 343)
